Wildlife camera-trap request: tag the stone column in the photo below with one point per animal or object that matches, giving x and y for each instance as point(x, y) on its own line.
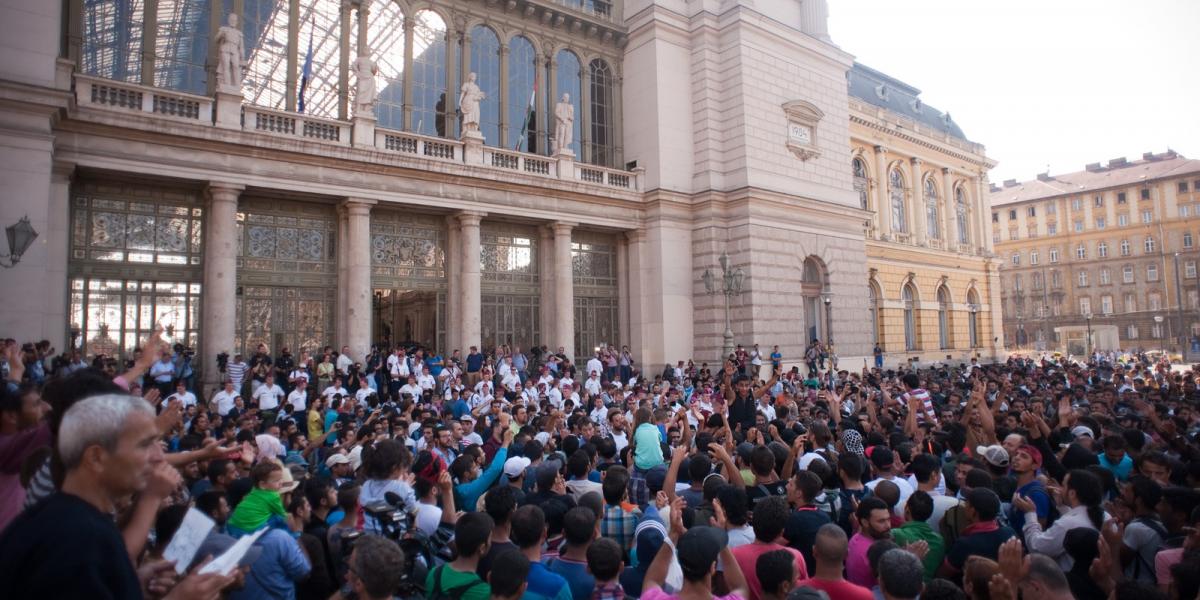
point(919, 224)
point(149, 40)
point(218, 295)
point(950, 211)
point(564, 289)
point(293, 43)
point(635, 240)
point(618, 134)
point(982, 215)
point(453, 263)
point(364, 18)
point(341, 334)
point(358, 276)
point(409, 25)
point(344, 24)
point(58, 237)
point(544, 95)
point(883, 204)
point(469, 303)
point(622, 289)
point(585, 113)
point(504, 96)
point(546, 314)
point(453, 36)
point(814, 19)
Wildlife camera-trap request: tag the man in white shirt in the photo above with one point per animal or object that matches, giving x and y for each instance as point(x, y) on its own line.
point(224, 399)
point(182, 394)
point(411, 388)
point(268, 394)
point(511, 382)
point(344, 362)
point(595, 365)
point(299, 397)
point(592, 385)
point(555, 396)
point(426, 380)
point(568, 393)
point(362, 394)
point(334, 389)
point(764, 407)
point(530, 394)
point(297, 374)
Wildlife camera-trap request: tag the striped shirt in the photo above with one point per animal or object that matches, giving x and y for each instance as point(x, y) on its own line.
point(927, 413)
point(237, 373)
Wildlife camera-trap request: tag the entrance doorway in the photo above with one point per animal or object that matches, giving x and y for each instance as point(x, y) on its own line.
point(409, 317)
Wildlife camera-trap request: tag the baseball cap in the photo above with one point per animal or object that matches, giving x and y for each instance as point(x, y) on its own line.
point(655, 478)
point(1082, 430)
point(337, 459)
point(356, 458)
point(698, 548)
point(995, 455)
point(515, 466)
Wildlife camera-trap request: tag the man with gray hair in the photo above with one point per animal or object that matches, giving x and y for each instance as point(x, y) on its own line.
point(67, 545)
point(1044, 579)
point(901, 575)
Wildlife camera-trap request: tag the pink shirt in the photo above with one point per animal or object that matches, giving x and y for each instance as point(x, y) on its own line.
point(747, 559)
point(858, 570)
point(658, 594)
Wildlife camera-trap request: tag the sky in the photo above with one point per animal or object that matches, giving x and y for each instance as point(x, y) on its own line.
point(1057, 83)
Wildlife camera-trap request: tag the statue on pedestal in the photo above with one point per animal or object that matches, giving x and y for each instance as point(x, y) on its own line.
point(564, 125)
point(365, 70)
point(468, 104)
point(231, 52)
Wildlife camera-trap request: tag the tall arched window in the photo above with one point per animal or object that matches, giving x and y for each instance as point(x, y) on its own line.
point(429, 75)
point(908, 297)
point(182, 45)
point(266, 33)
point(873, 308)
point(960, 215)
point(523, 102)
point(600, 79)
point(944, 336)
point(385, 37)
point(485, 63)
point(860, 181)
point(896, 196)
point(112, 39)
point(973, 318)
point(812, 286)
point(569, 80)
point(931, 210)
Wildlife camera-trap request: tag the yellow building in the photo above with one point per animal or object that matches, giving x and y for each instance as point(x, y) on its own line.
point(933, 282)
point(1107, 254)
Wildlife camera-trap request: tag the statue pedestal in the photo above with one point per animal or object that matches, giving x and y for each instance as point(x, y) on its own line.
point(229, 109)
point(363, 134)
point(566, 163)
point(472, 147)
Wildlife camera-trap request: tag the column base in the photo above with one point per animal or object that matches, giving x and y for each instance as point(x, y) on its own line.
point(363, 132)
point(229, 110)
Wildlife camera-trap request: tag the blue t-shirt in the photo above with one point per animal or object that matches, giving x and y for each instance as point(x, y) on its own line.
point(1120, 470)
point(546, 585)
point(474, 362)
point(277, 570)
point(576, 573)
point(1035, 491)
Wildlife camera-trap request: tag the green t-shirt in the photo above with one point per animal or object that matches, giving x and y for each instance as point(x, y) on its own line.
point(451, 579)
point(647, 452)
point(914, 531)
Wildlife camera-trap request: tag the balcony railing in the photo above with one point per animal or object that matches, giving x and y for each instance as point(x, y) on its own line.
point(124, 97)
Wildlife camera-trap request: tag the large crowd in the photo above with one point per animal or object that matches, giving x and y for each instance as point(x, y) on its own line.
point(507, 473)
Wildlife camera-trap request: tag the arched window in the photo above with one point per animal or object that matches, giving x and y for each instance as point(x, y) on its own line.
point(485, 63)
point(523, 102)
point(931, 210)
point(385, 35)
point(182, 45)
point(266, 34)
point(896, 194)
point(860, 181)
point(812, 286)
point(873, 308)
point(569, 80)
point(960, 208)
point(973, 318)
point(908, 297)
point(945, 339)
point(600, 79)
point(112, 39)
point(429, 76)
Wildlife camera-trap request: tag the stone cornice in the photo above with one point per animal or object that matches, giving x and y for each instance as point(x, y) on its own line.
point(978, 160)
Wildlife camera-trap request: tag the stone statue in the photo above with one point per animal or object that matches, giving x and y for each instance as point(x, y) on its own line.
point(231, 52)
point(468, 103)
point(365, 70)
point(564, 124)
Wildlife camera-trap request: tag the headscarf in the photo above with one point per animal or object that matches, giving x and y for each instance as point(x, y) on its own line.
point(853, 442)
point(269, 447)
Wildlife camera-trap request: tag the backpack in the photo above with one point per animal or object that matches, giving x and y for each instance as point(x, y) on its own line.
point(1158, 528)
point(454, 593)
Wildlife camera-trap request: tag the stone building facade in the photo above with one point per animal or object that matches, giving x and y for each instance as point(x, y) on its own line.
point(280, 208)
point(1109, 250)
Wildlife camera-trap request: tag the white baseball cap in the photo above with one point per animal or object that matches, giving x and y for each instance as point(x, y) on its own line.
point(515, 466)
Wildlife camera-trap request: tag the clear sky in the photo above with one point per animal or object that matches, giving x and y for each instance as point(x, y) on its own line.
point(1042, 82)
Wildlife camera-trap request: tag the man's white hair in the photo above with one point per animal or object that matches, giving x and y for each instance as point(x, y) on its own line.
point(96, 421)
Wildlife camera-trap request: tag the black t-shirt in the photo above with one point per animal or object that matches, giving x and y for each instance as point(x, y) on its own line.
point(63, 547)
point(759, 491)
point(800, 530)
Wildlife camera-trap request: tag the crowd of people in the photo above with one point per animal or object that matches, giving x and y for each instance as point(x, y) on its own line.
point(508, 474)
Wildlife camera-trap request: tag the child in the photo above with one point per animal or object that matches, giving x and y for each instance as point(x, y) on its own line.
point(604, 563)
point(263, 506)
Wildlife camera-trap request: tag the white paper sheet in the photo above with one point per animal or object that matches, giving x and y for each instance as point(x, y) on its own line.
point(227, 562)
point(187, 539)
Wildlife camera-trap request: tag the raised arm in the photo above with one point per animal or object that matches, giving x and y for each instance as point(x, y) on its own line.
point(677, 456)
point(731, 470)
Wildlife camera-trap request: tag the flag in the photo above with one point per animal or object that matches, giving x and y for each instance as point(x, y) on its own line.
point(306, 73)
point(528, 115)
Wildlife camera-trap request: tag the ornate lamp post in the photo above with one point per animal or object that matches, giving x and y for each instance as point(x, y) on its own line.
point(729, 285)
point(20, 236)
point(827, 298)
point(1088, 317)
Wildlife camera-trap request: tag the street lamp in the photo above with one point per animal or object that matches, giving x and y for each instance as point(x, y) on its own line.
point(1088, 317)
point(729, 285)
point(827, 298)
point(20, 236)
point(1158, 319)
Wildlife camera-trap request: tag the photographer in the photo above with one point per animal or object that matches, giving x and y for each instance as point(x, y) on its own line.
point(386, 466)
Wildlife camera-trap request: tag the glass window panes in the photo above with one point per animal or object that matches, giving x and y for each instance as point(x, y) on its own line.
point(860, 181)
point(485, 63)
point(1151, 272)
point(603, 148)
point(118, 231)
point(181, 45)
point(429, 111)
point(896, 195)
point(1127, 274)
point(569, 80)
point(112, 39)
point(931, 210)
point(523, 102)
point(385, 35)
point(113, 316)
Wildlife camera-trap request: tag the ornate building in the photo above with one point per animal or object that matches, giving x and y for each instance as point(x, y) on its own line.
point(1108, 251)
point(457, 173)
point(933, 288)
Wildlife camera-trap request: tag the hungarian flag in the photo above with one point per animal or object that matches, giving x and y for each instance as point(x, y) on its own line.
point(306, 73)
point(528, 116)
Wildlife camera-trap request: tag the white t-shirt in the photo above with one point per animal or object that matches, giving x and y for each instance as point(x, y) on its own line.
point(343, 364)
point(906, 490)
point(512, 382)
point(224, 401)
point(267, 396)
point(592, 385)
point(361, 395)
point(398, 367)
point(411, 388)
point(621, 439)
point(426, 381)
point(298, 374)
point(187, 398)
point(298, 399)
point(594, 366)
point(332, 391)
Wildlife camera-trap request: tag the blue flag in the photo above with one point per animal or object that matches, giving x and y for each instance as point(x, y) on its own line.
point(306, 73)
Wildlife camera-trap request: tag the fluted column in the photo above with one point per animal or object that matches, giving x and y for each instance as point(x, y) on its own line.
point(453, 262)
point(982, 214)
point(882, 203)
point(564, 289)
point(344, 25)
point(622, 290)
point(814, 19)
point(358, 276)
point(409, 24)
point(469, 303)
point(920, 223)
point(949, 210)
point(546, 314)
point(293, 60)
point(218, 304)
point(505, 94)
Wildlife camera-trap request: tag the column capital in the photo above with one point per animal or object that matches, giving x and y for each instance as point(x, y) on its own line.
point(62, 170)
point(562, 227)
point(221, 190)
point(356, 204)
point(916, 161)
point(470, 218)
point(945, 170)
point(635, 235)
point(880, 149)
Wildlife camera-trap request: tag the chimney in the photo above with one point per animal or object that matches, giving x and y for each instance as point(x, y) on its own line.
point(1010, 183)
point(1148, 156)
point(1044, 176)
point(993, 187)
point(1117, 162)
point(1094, 168)
point(1171, 154)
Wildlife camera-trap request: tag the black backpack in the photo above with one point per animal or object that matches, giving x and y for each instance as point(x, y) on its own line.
point(1158, 528)
point(454, 593)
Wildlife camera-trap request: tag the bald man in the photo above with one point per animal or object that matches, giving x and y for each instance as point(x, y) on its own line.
point(1045, 580)
point(829, 555)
